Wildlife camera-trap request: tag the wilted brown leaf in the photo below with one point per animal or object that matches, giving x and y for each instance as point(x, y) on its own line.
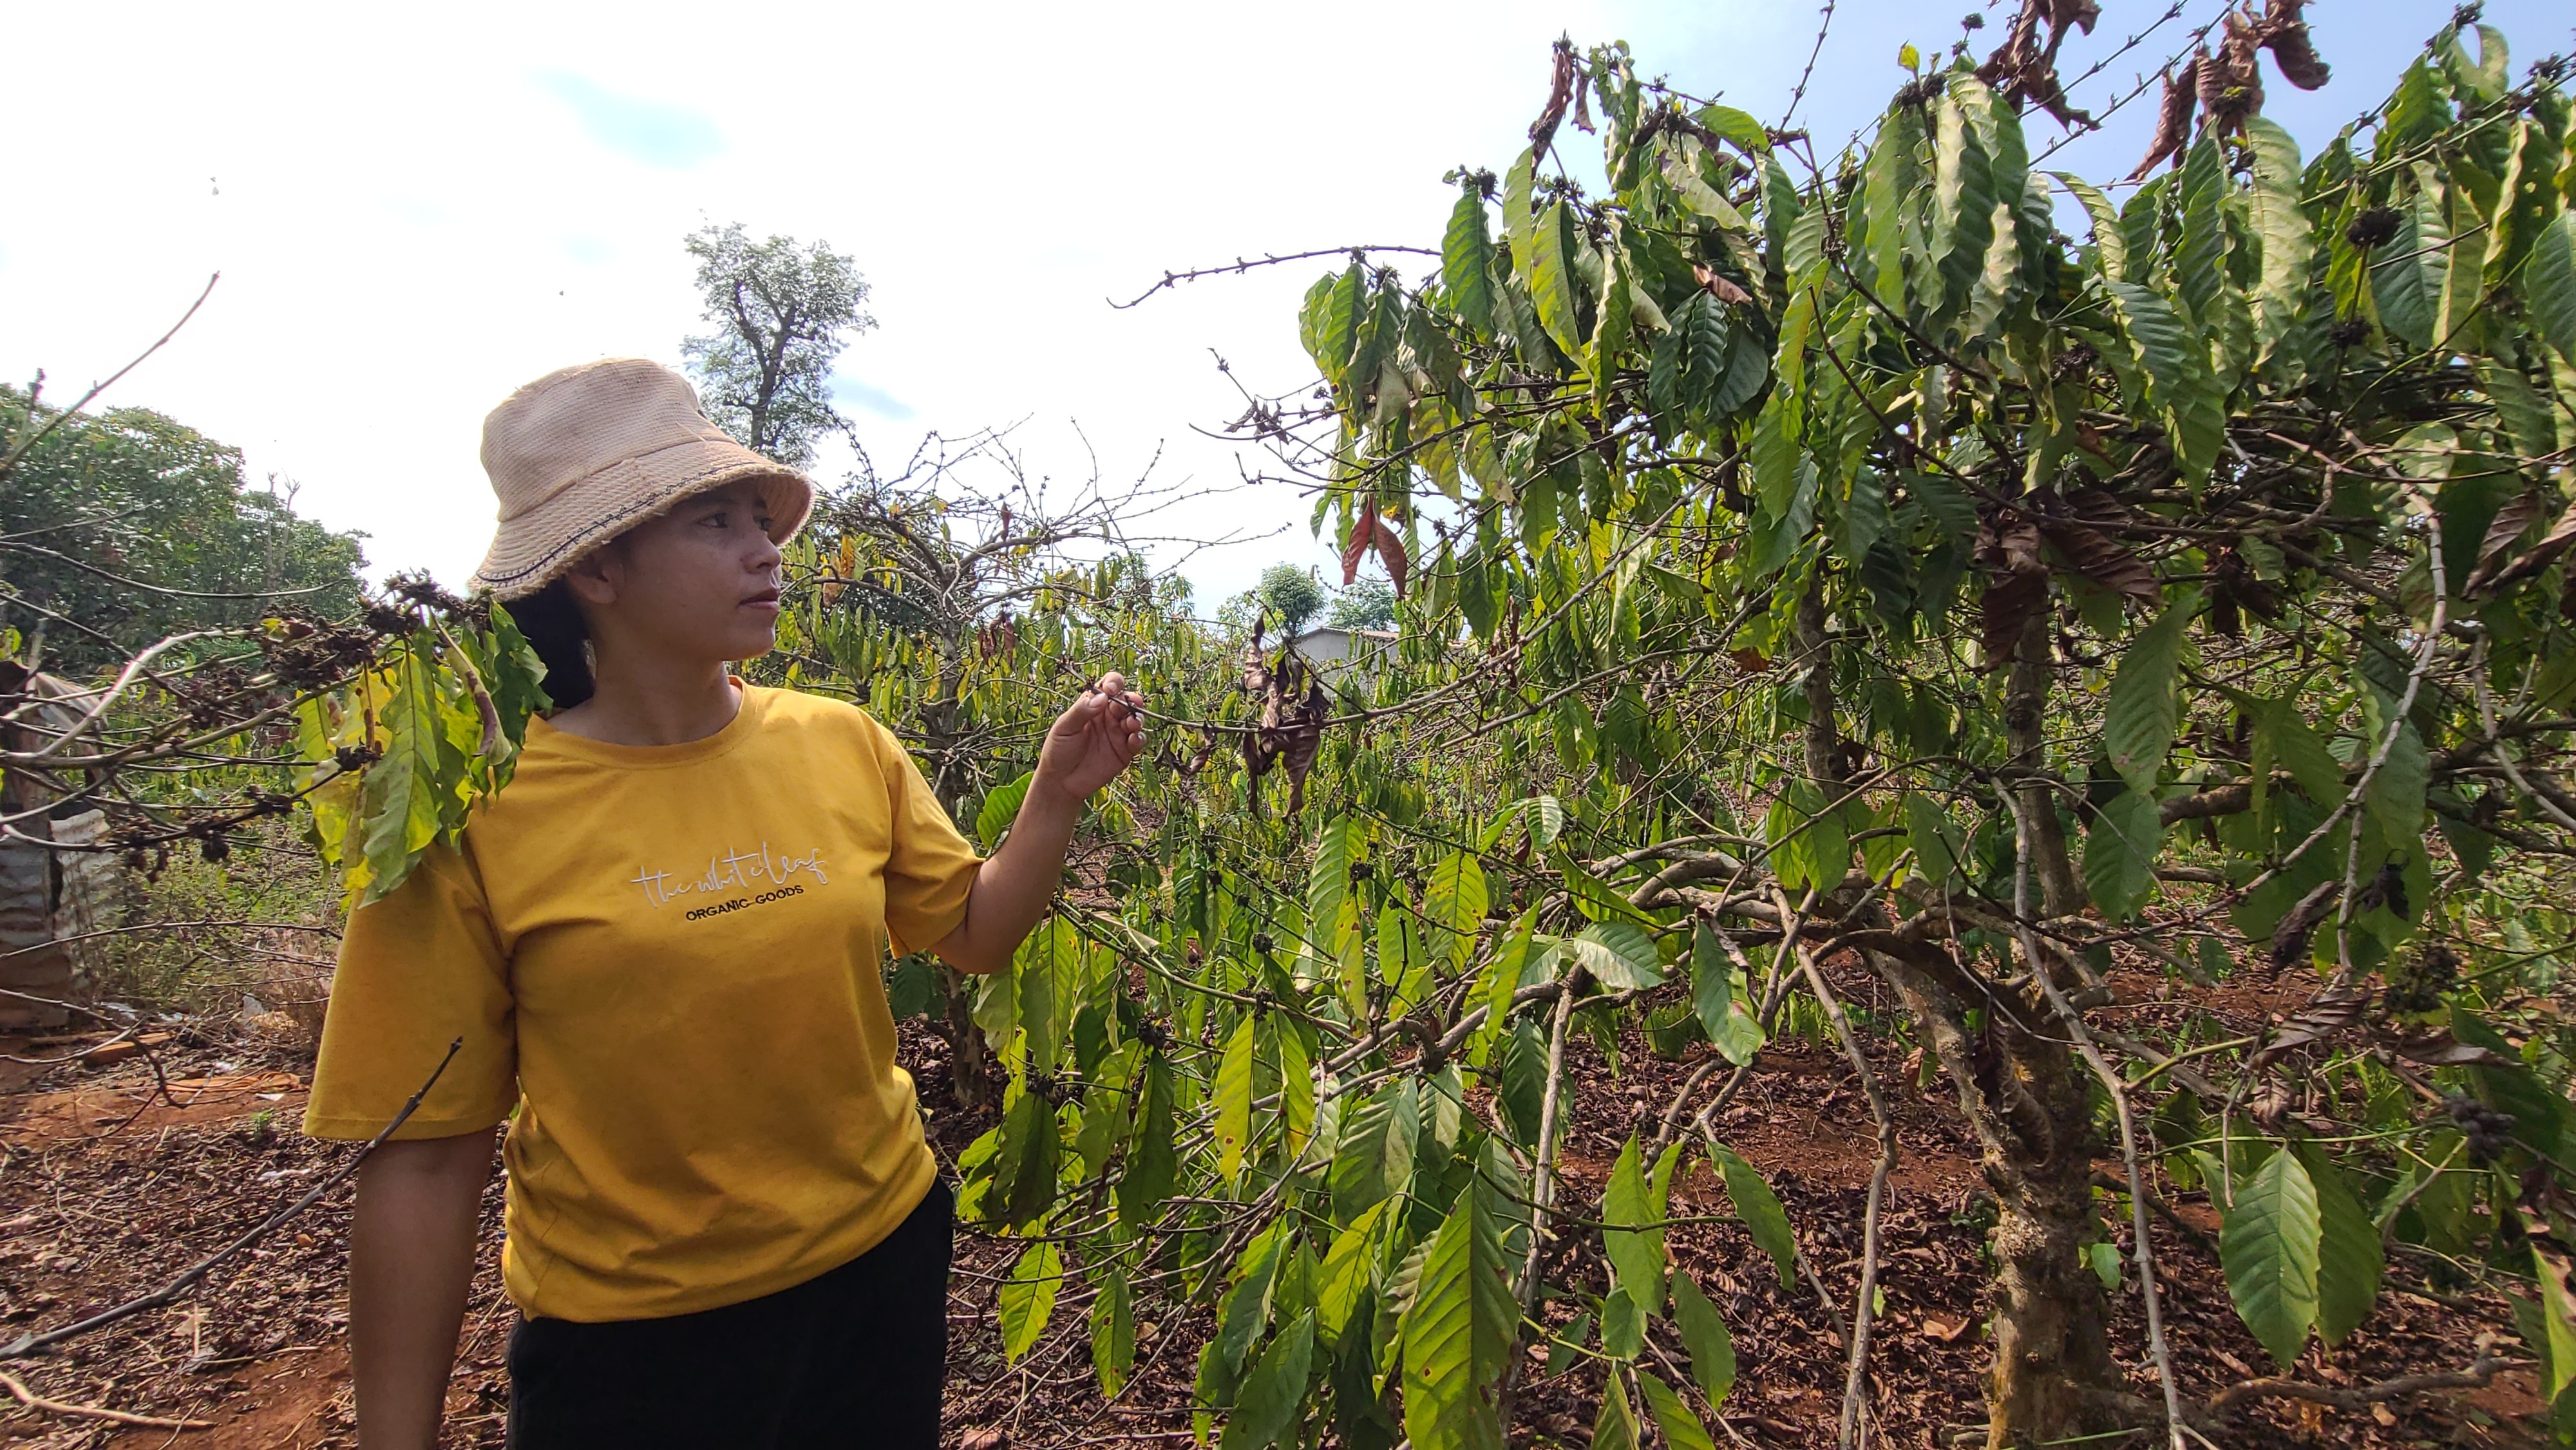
point(1718, 286)
point(2173, 118)
point(2238, 588)
point(2441, 1050)
point(2231, 83)
point(2285, 34)
point(1560, 94)
point(2008, 545)
point(1356, 544)
point(1390, 552)
point(2299, 923)
point(2539, 556)
point(1301, 739)
point(2507, 529)
point(2098, 558)
point(2330, 1011)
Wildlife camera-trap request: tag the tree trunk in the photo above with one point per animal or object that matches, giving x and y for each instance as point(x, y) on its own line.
point(2026, 720)
point(2052, 1377)
point(1823, 736)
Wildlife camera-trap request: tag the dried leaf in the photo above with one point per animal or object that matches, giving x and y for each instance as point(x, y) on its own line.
point(1718, 285)
point(1560, 94)
point(1390, 552)
point(2173, 118)
point(2290, 936)
point(2510, 522)
point(2441, 1050)
point(2231, 84)
point(2097, 557)
point(2078, 13)
point(2388, 888)
point(1301, 741)
point(2008, 545)
point(2285, 34)
point(2331, 1010)
point(2024, 70)
point(2539, 556)
point(1356, 544)
point(2239, 588)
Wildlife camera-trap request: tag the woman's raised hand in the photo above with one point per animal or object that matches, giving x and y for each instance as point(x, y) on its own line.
point(1093, 741)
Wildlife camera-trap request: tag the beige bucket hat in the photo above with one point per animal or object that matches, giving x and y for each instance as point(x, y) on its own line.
point(587, 452)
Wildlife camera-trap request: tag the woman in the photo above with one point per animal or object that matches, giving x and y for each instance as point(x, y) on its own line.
point(661, 945)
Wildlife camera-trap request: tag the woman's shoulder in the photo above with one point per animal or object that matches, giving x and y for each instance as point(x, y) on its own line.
point(792, 710)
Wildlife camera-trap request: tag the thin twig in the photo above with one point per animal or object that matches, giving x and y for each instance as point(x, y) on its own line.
point(10, 460)
point(1824, 24)
point(1543, 1167)
point(35, 1401)
point(2480, 1372)
point(1242, 264)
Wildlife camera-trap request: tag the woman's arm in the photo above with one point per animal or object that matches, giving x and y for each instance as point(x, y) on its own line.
point(411, 1258)
point(1093, 741)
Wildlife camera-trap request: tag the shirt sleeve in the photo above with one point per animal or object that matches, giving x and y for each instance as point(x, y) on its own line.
point(930, 867)
point(418, 968)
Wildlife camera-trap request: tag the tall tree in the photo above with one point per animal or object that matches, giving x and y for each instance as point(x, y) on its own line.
point(1291, 597)
point(1368, 604)
point(783, 311)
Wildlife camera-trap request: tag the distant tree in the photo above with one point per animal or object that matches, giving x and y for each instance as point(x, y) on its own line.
point(1290, 596)
point(119, 529)
point(783, 312)
point(1368, 604)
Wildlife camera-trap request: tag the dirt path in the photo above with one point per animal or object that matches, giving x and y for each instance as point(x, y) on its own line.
point(106, 1191)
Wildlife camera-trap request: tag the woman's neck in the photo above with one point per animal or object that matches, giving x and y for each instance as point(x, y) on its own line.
point(649, 706)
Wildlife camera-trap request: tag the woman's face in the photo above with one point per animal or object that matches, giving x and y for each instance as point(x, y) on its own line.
point(699, 582)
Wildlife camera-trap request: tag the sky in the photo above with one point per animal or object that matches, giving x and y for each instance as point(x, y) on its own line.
point(416, 210)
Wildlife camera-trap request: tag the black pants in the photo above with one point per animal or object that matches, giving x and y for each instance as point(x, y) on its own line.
point(851, 1358)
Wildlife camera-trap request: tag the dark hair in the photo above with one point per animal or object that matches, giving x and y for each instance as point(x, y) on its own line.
point(551, 619)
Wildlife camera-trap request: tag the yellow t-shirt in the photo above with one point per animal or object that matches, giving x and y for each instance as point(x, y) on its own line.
point(667, 958)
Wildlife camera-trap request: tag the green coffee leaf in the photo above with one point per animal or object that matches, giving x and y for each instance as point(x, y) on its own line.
point(2268, 1246)
point(1759, 1209)
point(2349, 1259)
point(1000, 809)
point(1028, 1297)
point(1113, 1333)
point(1234, 1101)
point(1636, 1253)
point(1265, 1404)
point(1456, 1337)
point(2140, 713)
point(2120, 854)
point(1704, 1334)
point(1678, 1422)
